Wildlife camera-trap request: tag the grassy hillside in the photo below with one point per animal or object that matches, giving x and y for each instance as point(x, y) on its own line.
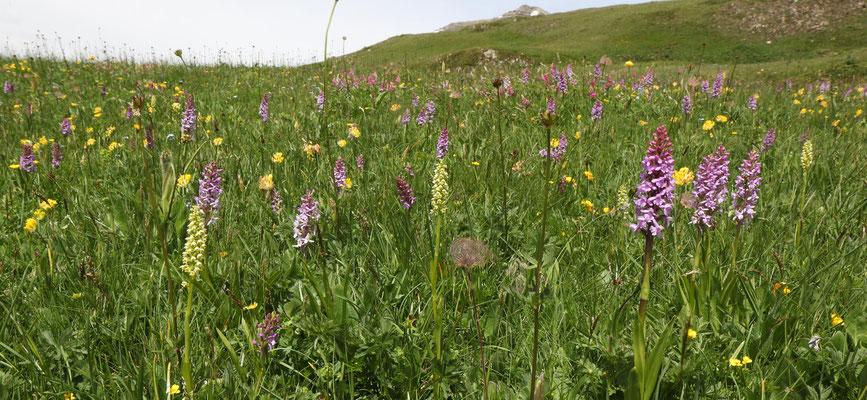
point(658, 32)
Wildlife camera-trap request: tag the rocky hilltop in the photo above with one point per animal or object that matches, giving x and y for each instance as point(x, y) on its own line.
point(522, 11)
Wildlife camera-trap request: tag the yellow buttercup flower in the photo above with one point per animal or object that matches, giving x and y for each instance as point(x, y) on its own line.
point(589, 175)
point(89, 142)
point(837, 320)
point(628, 63)
point(734, 362)
point(348, 183)
point(217, 141)
point(746, 360)
point(175, 389)
point(708, 125)
point(721, 119)
point(39, 214)
point(277, 158)
point(691, 333)
point(97, 112)
point(395, 107)
point(341, 143)
point(588, 205)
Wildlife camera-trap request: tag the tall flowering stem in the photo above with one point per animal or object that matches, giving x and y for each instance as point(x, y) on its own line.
point(439, 202)
point(653, 207)
point(806, 163)
point(548, 121)
point(744, 198)
point(194, 261)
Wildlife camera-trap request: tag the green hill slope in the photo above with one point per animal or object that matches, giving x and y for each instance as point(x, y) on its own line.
point(817, 33)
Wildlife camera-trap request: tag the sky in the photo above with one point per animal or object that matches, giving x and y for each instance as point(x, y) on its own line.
point(288, 32)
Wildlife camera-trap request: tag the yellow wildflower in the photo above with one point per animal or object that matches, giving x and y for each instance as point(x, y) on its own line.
point(39, 214)
point(721, 119)
point(175, 389)
point(277, 158)
point(746, 360)
point(252, 306)
point(628, 63)
point(48, 204)
point(734, 362)
point(266, 182)
point(708, 125)
point(589, 175)
point(588, 205)
point(217, 141)
point(341, 143)
point(837, 320)
point(30, 225)
point(184, 180)
point(97, 112)
point(691, 333)
point(683, 176)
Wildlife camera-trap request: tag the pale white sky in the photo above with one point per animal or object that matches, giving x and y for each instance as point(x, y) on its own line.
point(265, 31)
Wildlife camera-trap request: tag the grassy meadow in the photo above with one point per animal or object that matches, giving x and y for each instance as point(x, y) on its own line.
point(157, 244)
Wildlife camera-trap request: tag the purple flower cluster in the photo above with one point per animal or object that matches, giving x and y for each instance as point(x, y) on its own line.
point(25, 162)
point(320, 101)
point(56, 155)
point(596, 111)
point(717, 85)
point(686, 105)
point(648, 79)
point(263, 108)
point(129, 113)
point(415, 100)
point(339, 173)
point(656, 191)
point(443, 143)
point(558, 152)
point(552, 106)
point(705, 87)
point(276, 201)
point(752, 104)
point(188, 123)
point(406, 117)
point(65, 127)
point(404, 192)
point(770, 137)
point(8, 88)
point(525, 75)
point(305, 221)
point(710, 188)
point(267, 333)
point(210, 188)
point(359, 162)
point(426, 114)
point(597, 71)
point(746, 192)
point(562, 83)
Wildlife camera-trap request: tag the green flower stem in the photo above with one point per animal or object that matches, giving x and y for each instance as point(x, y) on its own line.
point(540, 252)
point(186, 369)
point(434, 298)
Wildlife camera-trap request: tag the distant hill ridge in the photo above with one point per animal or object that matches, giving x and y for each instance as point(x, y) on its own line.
point(522, 11)
point(798, 35)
